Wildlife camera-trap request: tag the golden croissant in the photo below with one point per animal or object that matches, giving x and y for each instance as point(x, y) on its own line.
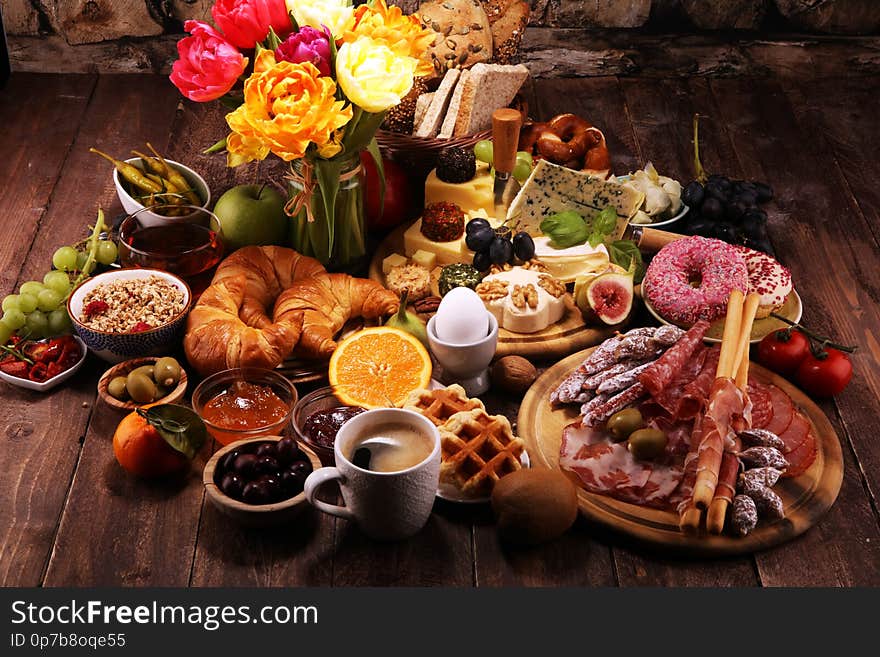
point(326, 302)
point(230, 326)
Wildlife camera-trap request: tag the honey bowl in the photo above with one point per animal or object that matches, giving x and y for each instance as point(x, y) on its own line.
point(245, 402)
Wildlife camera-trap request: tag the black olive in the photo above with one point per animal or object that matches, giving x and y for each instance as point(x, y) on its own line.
point(764, 191)
point(523, 246)
point(273, 486)
point(256, 492)
point(480, 239)
point(693, 194)
point(287, 450)
point(292, 482)
point(500, 251)
point(246, 465)
point(265, 449)
point(268, 465)
point(482, 261)
point(232, 485)
point(226, 463)
point(476, 224)
point(712, 209)
point(295, 476)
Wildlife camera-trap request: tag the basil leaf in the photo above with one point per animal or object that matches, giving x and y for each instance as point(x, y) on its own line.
point(603, 225)
point(565, 229)
point(626, 254)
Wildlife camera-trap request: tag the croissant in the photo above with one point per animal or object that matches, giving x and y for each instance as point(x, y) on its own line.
point(326, 302)
point(229, 326)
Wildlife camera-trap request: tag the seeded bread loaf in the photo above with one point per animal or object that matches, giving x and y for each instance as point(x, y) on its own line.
point(507, 20)
point(401, 117)
point(464, 36)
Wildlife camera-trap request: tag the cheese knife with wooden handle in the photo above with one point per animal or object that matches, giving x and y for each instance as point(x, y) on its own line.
point(506, 123)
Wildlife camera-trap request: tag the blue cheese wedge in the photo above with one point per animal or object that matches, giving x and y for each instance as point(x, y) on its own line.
point(552, 188)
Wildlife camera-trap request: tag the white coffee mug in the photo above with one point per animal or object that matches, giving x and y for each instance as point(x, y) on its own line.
point(386, 505)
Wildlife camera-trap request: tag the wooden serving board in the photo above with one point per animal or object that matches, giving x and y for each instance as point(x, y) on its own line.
point(566, 336)
point(806, 498)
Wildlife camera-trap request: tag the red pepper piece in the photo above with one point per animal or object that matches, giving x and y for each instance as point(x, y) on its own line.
point(36, 351)
point(14, 367)
point(95, 307)
point(140, 327)
point(54, 369)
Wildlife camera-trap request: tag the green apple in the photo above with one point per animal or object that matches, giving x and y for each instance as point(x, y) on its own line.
point(251, 214)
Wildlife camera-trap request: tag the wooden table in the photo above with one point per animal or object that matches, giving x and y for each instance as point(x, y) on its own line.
point(71, 516)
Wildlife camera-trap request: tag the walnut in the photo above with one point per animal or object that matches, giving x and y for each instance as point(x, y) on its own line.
point(535, 265)
point(497, 269)
point(492, 290)
point(524, 295)
point(513, 374)
point(552, 286)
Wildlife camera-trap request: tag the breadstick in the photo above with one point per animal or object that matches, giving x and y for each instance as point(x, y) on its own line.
point(726, 363)
point(745, 335)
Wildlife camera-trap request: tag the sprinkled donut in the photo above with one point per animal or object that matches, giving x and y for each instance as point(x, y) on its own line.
point(768, 278)
point(691, 279)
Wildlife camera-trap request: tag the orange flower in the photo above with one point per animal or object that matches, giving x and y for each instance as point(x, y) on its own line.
point(286, 108)
point(404, 35)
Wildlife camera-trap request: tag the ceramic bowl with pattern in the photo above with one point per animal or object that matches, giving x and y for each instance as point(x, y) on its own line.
point(115, 347)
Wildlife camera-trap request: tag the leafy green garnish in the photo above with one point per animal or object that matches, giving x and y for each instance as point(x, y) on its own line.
point(626, 254)
point(565, 229)
point(603, 225)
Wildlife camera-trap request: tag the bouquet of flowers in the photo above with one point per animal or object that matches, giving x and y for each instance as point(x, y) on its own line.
point(324, 73)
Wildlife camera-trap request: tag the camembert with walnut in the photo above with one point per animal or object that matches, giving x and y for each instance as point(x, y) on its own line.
point(523, 299)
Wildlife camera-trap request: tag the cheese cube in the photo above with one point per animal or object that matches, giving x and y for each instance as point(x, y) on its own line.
point(392, 261)
point(425, 259)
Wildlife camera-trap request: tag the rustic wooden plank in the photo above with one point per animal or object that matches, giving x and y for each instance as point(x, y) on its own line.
point(661, 112)
point(115, 529)
point(838, 113)
point(37, 463)
point(826, 256)
point(34, 153)
point(90, 21)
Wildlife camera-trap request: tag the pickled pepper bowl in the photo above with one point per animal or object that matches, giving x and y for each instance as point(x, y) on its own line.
point(132, 205)
point(254, 515)
point(219, 382)
point(117, 347)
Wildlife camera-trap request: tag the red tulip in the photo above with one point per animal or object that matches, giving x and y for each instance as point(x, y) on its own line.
point(246, 22)
point(208, 66)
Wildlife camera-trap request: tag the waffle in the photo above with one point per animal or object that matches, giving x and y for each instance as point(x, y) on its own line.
point(477, 449)
point(440, 405)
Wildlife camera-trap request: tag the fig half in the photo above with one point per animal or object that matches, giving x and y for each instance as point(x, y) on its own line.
point(609, 297)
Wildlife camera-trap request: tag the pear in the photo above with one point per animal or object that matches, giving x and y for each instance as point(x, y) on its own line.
point(407, 321)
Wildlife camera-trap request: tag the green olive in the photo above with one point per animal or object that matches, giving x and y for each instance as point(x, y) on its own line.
point(647, 443)
point(146, 370)
point(116, 388)
point(140, 387)
point(624, 422)
point(166, 371)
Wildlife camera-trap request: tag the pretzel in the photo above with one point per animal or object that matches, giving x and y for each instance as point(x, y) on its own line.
point(569, 140)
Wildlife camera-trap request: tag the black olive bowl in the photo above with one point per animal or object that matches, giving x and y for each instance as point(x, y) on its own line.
point(255, 515)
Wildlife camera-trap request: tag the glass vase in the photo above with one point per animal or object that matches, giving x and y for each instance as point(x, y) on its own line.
point(335, 238)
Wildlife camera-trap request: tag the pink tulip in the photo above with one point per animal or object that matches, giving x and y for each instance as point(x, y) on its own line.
point(247, 22)
point(208, 66)
point(307, 45)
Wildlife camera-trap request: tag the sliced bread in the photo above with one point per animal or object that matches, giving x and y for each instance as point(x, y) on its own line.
point(429, 126)
point(488, 88)
point(452, 111)
point(422, 104)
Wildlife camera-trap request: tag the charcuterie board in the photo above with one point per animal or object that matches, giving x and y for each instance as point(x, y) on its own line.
point(806, 498)
point(566, 336)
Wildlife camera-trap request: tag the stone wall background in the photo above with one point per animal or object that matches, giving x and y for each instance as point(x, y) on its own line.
point(565, 37)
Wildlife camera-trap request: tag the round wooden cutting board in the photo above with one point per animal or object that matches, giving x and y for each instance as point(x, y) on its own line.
point(566, 336)
point(806, 498)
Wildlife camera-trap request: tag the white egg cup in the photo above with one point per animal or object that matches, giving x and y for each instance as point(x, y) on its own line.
point(466, 364)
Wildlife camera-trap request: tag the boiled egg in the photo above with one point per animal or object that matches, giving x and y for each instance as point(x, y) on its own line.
point(461, 317)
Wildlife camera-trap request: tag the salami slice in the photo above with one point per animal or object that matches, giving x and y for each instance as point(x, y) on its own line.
point(619, 401)
point(670, 398)
point(665, 368)
point(795, 433)
point(762, 406)
point(801, 458)
point(783, 411)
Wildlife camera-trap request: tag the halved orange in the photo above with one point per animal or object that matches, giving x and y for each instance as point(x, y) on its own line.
point(378, 367)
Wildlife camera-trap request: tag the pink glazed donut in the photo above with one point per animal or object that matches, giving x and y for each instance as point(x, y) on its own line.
point(691, 279)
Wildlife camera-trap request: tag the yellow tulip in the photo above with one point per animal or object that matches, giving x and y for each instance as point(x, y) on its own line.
point(335, 14)
point(372, 76)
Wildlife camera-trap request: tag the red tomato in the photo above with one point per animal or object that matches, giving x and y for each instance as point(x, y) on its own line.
point(825, 376)
point(783, 351)
point(398, 195)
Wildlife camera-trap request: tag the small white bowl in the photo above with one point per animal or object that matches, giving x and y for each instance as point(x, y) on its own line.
point(55, 380)
point(117, 347)
point(132, 205)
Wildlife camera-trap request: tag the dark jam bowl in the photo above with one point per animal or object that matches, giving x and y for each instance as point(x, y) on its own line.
point(254, 515)
point(322, 399)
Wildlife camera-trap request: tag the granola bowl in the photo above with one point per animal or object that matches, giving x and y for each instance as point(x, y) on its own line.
point(130, 313)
